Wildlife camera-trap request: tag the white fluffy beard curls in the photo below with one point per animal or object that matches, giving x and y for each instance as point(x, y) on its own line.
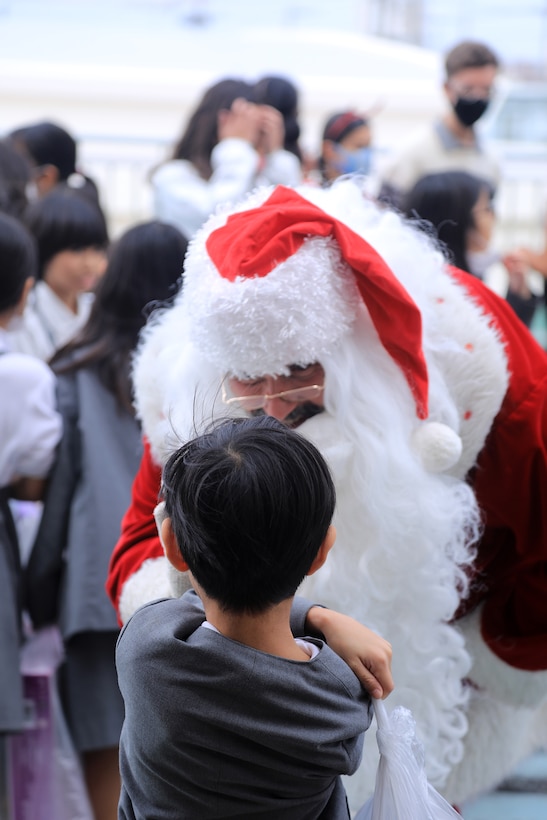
point(404, 539)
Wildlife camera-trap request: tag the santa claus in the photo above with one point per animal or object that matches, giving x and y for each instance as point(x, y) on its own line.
point(428, 398)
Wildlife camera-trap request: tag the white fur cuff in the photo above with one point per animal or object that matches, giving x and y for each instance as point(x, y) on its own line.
point(150, 582)
point(518, 687)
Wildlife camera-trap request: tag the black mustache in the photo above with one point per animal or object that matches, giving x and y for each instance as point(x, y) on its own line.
point(299, 415)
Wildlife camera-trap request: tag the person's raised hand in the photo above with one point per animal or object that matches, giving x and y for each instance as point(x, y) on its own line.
point(366, 653)
point(241, 121)
point(272, 130)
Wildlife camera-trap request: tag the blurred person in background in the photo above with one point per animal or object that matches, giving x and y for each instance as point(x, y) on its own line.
point(450, 143)
point(89, 491)
point(72, 238)
point(535, 259)
point(346, 146)
point(51, 152)
point(30, 428)
point(229, 146)
point(459, 206)
point(15, 177)
point(281, 94)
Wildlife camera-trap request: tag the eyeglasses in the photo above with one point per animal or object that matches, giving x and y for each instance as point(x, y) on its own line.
point(297, 395)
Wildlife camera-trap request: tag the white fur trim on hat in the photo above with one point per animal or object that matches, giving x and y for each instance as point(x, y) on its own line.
point(258, 325)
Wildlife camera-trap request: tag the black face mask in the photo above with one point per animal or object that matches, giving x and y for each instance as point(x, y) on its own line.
point(469, 111)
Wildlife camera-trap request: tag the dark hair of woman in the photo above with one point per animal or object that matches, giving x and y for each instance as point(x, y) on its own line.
point(17, 260)
point(445, 201)
point(144, 271)
point(64, 220)
point(15, 174)
point(48, 144)
point(45, 143)
point(201, 134)
point(338, 127)
point(282, 95)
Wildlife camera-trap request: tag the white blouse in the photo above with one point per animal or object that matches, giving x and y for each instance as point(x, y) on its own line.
point(47, 323)
point(30, 426)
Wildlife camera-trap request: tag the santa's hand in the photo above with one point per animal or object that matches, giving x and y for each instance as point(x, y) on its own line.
point(367, 654)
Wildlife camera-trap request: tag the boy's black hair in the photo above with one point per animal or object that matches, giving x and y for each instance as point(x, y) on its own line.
point(65, 220)
point(17, 260)
point(250, 504)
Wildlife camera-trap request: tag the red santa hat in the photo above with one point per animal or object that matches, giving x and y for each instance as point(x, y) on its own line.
point(299, 275)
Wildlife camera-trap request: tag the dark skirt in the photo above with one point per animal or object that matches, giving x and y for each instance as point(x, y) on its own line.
point(89, 691)
point(11, 687)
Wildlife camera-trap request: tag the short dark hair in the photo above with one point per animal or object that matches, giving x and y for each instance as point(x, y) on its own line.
point(65, 220)
point(250, 503)
point(17, 260)
point(469, 54)
point(48, 144)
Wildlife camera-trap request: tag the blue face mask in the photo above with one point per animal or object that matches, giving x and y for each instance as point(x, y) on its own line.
point(353, 162)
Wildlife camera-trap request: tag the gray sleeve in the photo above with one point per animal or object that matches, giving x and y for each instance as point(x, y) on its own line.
point(46, 562)
point(299, 611)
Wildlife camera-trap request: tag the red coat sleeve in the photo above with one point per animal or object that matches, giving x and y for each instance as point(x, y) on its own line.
point(510, 482)
point(139, 538)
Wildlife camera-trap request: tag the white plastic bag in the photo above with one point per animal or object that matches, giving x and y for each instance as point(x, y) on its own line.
point(46, 781)
point(402, 791)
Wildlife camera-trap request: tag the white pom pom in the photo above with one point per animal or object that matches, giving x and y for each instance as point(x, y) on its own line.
point(438, 446)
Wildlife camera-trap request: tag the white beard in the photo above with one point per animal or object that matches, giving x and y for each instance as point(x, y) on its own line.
point(394, 567)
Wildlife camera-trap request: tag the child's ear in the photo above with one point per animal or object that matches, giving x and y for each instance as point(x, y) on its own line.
point(323, 550)
point(171, 547)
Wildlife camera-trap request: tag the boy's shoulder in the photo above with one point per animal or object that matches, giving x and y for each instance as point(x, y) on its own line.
point(170, 625)
point(164, 617)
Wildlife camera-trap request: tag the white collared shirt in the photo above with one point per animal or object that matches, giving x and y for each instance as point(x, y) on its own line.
point(47, 323)
point(30, 426)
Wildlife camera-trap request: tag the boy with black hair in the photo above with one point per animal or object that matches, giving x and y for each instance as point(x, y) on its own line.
point(228, 714)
